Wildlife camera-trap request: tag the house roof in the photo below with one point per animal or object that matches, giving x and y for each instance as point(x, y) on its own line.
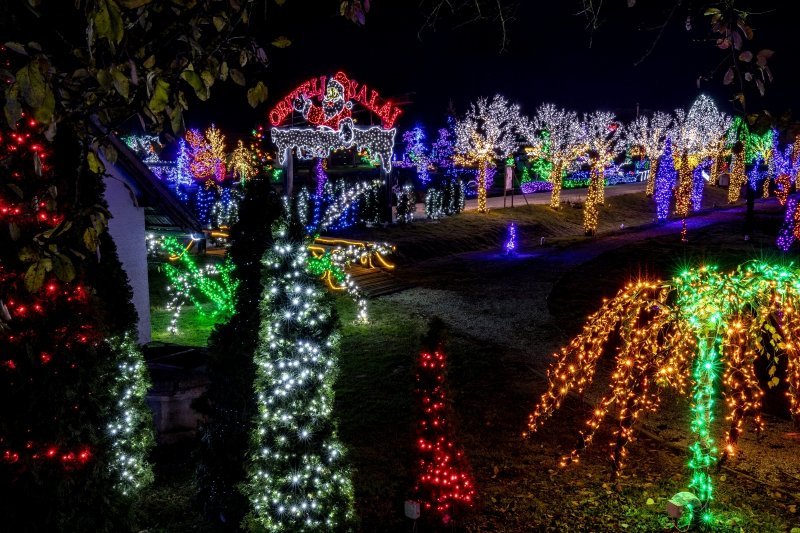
point(163, 211)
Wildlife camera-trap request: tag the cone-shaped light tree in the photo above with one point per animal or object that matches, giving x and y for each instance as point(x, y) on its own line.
point(603, 143)
point(648, 134)
point(555, 134)
point(297, 477)
point(444, 485)
point(487, 132)
point(229, 403)
point(74, 428)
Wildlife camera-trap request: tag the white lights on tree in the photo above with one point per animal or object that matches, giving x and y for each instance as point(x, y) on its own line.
point(297, 477)
point(555, 134)
point(647, 134)
point(603, 143)
point(487, 132)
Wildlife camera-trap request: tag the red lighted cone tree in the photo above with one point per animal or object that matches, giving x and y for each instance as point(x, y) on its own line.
point(444, 484)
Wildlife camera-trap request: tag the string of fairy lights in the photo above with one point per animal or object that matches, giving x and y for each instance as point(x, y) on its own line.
point(700, 332)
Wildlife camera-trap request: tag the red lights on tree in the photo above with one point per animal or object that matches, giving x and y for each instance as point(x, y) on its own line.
point(444, 484)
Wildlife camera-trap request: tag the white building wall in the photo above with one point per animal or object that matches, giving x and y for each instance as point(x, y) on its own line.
point(127, 229)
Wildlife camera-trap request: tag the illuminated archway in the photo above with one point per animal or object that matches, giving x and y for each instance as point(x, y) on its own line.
point(326, 103)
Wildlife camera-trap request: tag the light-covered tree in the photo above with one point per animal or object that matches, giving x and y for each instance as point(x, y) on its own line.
point(417, 152)
point(697, 135)
point(297, 477)
point(648, 134)
point(242, 163)
point(555, 134)
point(603, 135)
point(487, 132)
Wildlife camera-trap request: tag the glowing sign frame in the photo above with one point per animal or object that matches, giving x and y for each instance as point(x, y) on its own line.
point(326, 102)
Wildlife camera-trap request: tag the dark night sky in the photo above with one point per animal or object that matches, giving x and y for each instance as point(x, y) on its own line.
point(547, 59)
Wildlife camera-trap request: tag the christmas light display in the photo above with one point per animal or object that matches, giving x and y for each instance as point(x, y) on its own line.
point(406, 204)
point(443, 149)
point(683, 191)
point(334, 93)
point(453, 197)
point(790, 230)
point(781, 169)
point(557, 137)
point(206, 154)
point(182, 175)
point(333, 120)
point(703, 329)
point(320, 176)
point(434, 205)
point(311, 143)
point(144, 146)
point(417, 153)
point(242, 163)
point(737, 179)
point(444, 485)
point(129, 444)
point(796, 159)
point(647, 135)
point(602, 134)
point(511, 240)
point(699, 131)
point(531, 187)
point(225, 211)
point(487, 132)
point(76, 431)
point(188, 281)
point(297, 477)
point(330, 258)
point(665, 180)
point(700, 174)
point(756, 174)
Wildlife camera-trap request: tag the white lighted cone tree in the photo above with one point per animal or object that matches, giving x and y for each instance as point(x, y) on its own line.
point(555, 134)
point(297, 477)
point(487, 132)
point(603, 142)
point(647, 134)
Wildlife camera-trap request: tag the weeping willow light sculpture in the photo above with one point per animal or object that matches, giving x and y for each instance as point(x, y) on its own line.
point(700, 332)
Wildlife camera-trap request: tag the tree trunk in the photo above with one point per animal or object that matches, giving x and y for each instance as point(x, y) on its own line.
point(555, 180)
point(482, 187)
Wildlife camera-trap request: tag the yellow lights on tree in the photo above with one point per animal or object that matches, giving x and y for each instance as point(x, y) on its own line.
point(486, 133)
point(648, 134)
point(603, 135)
point(555, 134)
point(243, 163)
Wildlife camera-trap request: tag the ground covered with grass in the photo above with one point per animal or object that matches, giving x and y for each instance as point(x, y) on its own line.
point(505, 316)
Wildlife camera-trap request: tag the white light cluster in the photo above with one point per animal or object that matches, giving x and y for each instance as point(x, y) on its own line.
point(555, 134)
point(699, 131)
point(297, 480)
point(129, 427)
point(487, 132)
point(320, 142)
point(648, 134)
